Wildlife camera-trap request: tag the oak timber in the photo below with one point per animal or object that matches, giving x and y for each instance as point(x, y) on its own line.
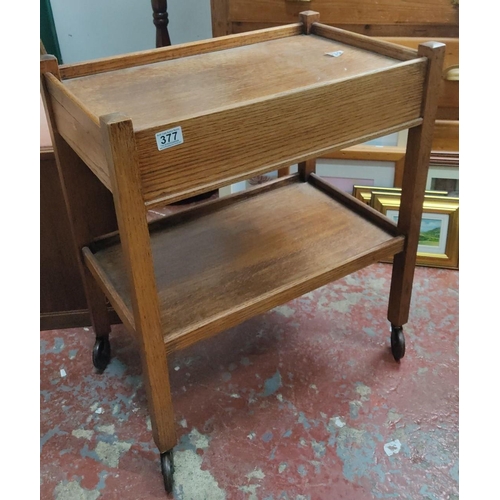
point(364, 42)
point(177, 51)
point(446, 136)
point(220, 99)
point(122, 158)
point(89, 210)
point(413, 188)
point(448, 104)
point(79, 128)
point(348, 11)
point(246, 104)
point(425, 18)
point(375, 30)
point(207, 83)
point(250, 256)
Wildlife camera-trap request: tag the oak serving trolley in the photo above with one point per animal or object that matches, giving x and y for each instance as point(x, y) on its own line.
point(143, 130)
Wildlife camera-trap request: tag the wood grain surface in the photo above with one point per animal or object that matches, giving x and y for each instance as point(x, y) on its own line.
point(175, 90)
point(366, 12)
point(446, 136)
point(121, 154)
point(448, 104)
point(217, 270)
point(61, 287)
point(79, 127)
point(413, 188)
point(88, 204)
point(387, 29)
point(220, 100)
point(331, 115)
point(177, 51)
point(381, 47)
point(272, 99)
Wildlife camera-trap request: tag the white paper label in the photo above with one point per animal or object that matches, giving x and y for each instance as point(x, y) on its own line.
point(169, 138)
point(337, 53)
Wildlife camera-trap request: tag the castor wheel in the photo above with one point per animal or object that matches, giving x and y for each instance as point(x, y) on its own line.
point(167, 470)
point(101, 354)
point(397, 342)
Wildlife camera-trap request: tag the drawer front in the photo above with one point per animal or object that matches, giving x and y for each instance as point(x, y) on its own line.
point(237, 143)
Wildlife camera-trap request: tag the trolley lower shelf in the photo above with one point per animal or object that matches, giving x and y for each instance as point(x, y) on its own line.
point(219, 264)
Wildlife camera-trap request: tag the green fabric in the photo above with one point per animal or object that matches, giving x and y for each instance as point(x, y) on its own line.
point(48, 32)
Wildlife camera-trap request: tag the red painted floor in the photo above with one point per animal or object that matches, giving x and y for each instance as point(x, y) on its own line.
point(304, 402)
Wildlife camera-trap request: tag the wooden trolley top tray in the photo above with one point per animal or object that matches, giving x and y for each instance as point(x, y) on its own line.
point(245, 104)
point(240, 256)
point(178, 89)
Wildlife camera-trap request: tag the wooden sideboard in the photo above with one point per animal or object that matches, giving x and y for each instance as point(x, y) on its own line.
point(424, 18)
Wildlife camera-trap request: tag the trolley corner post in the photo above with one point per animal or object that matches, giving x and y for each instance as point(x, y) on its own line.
point(413, 188)
point(73, 174)
point(307, 18)
point(122, 158)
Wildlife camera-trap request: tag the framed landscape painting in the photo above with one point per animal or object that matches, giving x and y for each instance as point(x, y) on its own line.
point(364, 193)
point(438, 240)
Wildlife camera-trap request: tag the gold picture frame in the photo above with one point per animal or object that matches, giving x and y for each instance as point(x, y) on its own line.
point(438, 245)
point(364, 193)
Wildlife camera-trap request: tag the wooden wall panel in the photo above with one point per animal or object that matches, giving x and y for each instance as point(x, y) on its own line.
point(62, 298)
point(61, 288)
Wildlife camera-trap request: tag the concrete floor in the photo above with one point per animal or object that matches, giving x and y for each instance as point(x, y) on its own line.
point(304, 402)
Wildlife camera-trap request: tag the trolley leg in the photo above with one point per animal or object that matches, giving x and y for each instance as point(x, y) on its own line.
point(90, 211)
point(96, 300)
point(156, 378)
point(122, 157)
point(412, 198)
point(305, 168)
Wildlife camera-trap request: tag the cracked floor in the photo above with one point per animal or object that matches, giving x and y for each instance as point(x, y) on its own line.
point(304, 402)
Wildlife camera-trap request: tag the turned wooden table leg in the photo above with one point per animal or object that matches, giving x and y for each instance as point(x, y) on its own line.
point(160, 20)
point(413, 190)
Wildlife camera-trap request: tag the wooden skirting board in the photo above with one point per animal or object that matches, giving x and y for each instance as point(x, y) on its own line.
point(71, 319)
